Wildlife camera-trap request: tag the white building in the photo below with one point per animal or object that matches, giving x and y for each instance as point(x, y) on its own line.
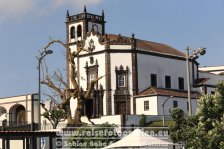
point(139, 74)
point(17, 113)
point(19, 110)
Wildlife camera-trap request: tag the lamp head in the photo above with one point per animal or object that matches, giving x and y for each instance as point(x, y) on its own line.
point(202, 51)
point(48, 52)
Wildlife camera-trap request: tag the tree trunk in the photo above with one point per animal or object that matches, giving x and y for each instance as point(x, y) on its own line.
point(76, 121)
point(55, 126)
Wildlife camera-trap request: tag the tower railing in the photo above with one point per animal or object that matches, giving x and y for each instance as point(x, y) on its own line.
point(86, 16)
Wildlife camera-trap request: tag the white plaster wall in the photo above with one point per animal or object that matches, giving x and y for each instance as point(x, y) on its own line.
point(152, 105)
point(148, 64)
point(101, 69)
point(16, 144)
point(98, 46)
point(182, 103)
point(118, 59)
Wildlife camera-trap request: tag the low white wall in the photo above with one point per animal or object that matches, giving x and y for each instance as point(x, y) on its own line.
point(112, 119)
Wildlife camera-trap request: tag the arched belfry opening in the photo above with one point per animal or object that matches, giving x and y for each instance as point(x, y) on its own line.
point(72, 32)
point(79, 31)
point(17, 115)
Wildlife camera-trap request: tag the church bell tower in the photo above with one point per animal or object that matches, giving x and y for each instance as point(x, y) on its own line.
point(78, 25)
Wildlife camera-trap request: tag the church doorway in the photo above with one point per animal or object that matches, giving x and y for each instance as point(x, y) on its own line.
point(89, 108)
point(121, 108)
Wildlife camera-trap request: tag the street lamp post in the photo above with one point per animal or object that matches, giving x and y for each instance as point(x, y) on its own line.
point(163, 103)
point(189, 57)
point(42, 55)
point(188, 81)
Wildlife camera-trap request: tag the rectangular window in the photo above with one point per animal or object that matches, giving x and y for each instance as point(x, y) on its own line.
point(120, 80)
point(175, 104)
point(181, 83)
point(167, 81)
point(146, 105)
point(153, 80)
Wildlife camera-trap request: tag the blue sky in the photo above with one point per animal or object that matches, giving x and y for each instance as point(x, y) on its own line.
point(26, 26)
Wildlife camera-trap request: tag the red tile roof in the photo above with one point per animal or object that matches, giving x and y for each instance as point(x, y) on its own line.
point(146, 45)
point(167, 92)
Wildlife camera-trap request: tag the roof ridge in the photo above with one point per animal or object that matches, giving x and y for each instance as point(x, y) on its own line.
point(154, 90)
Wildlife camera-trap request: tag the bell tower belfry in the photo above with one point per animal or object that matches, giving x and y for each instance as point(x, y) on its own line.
point(78, 25)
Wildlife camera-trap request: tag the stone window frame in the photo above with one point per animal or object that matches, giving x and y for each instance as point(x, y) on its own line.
point(124, 72)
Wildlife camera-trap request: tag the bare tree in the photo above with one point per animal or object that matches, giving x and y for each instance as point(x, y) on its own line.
point(69, 89)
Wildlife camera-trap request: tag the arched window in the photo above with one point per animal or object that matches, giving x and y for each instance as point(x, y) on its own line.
point(72, 32)
point(79, 31)
point(20, 115)
point(17, 115)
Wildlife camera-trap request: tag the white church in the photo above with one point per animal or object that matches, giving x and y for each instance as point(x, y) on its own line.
point(139, 75)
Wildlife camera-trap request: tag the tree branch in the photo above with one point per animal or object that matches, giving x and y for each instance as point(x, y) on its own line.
point(90, 87)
